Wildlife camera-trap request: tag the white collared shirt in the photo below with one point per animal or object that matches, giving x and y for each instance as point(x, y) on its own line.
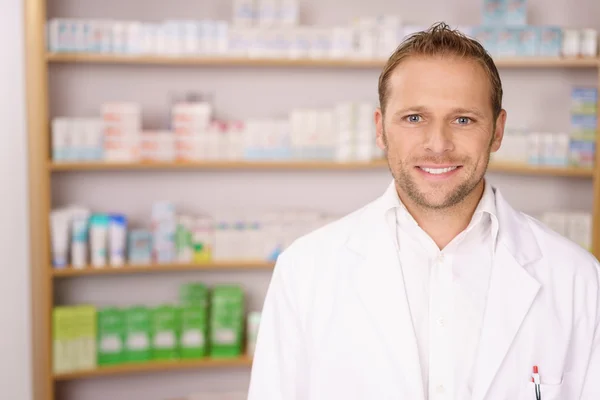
point(446, 292)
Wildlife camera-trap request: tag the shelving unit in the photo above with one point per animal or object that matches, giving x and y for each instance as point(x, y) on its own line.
point(146, 269)
point(154, 366)
point(42, 172)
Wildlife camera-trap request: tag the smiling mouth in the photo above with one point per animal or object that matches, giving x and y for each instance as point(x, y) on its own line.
point(438, 171)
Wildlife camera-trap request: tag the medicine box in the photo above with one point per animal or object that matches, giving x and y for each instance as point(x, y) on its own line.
point(111, 334)
point(488, 37)
point(140, 247)
point(581, 153)
point(528, 42)
point(74, 338)
point(194, 329)
point(202, 238)
point(494, 12)
point(165, 332)
point(137, 334)
point(507, 44)
point(583, 127)
point(515, 12)
point(193, 294)
point(183, 239)
point(550, 41)
point(584, 100)
point(226, 321)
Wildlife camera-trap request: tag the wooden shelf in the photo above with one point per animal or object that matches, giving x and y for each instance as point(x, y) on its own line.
point(154, 366)
point(300, 165)
point(525, 169)
point(135, 269)
point(516, 62)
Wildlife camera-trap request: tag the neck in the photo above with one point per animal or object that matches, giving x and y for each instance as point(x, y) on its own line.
point(445, 224)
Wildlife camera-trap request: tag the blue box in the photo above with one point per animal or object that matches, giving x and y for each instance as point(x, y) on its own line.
point(494, 12)
point(584, 127)
point(529, 42)
point(488, 37)
point(507, 44)
point(550, 41)
point(582, 153)
point(584, 100)
point(515, 12)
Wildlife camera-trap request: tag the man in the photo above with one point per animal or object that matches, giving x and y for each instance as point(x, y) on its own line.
point(438, 289)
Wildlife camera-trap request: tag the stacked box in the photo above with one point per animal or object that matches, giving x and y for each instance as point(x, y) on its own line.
point(584, 122)
point(111, 335)
point(74, 338)
point(138, 335)
point(164, 227)
point(226, 321)
point(194, 327)
point(165, 332)
point(122, 127)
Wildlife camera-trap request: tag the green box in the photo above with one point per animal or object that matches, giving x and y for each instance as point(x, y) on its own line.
point(138, 336)
point(111, 334)
point(62, 324)
point(193, 294)
point(84, 337)
point(166, 323)
point(194, 329)
point(226, 321)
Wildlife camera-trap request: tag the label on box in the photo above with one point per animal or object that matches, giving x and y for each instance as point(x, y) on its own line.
point(550, 41)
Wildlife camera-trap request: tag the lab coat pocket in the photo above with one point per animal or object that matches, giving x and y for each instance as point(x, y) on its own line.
point(548, 391)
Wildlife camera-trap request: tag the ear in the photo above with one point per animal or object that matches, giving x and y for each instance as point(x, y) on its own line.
point(499, 132)
point(379, 129)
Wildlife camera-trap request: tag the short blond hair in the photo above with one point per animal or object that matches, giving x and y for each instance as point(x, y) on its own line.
point(439, 41)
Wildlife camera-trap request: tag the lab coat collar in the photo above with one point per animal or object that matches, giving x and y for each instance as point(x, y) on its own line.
point(379, 280)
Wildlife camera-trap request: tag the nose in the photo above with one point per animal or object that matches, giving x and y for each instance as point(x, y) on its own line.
point(438, 140)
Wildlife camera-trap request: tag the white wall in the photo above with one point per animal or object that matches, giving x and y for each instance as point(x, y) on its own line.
point(15, 375)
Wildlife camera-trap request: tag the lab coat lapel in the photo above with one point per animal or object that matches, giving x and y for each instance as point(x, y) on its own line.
point(380, 285)
point(511, 292)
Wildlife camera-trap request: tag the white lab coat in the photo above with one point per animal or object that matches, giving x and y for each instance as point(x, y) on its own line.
point(336, 323)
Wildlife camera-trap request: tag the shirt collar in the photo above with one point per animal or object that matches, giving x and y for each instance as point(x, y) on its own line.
point(484, 210)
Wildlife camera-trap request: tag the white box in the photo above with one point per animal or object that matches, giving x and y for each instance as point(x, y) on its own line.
point(320, 47)
point(122, 149)
point(119, 37)
point(134, 37)
point(589, 43)
point(288, 13)
point(534, 148)
point(571, 44)
point(547, 149)
point(221, 37)
point(267, 13)
point(60, 139)
point(55, 32)
point(342, 42)
point(93, 140)
point(244, 13)
point(301, 42)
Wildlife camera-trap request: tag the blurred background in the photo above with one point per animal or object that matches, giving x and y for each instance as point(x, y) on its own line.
point(180, 146)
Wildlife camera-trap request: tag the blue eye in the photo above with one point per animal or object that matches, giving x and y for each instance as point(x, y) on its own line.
point(463, 120)
point(414, 118)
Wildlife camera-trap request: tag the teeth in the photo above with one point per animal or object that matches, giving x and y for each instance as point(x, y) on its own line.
point(437, 171)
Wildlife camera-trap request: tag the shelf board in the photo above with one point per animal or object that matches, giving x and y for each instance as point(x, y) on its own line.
point(154, 366)
point(300, 165)
point(135, 269)
point(525, 169)
point(514, 62)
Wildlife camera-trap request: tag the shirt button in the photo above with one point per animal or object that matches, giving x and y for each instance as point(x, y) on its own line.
point(441, 322)
point(440, 389)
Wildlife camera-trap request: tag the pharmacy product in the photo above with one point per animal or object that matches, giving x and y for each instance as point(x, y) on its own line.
point(92, 139)
point(157, 146)
point(244, 13)
point(584, 100)
point(111, 334)
point(183, 239)
point(551, 39)
point(140, 247)
point(366, 37)
point(488, 37)
point(165, 332)
point(267, 12)
point(194, 330)
point(560, 156)
point(588, 43)
point(79, 237)
point(547, 149)
point(59, 224)
point(226, 321)
point(252, 332)
point(582, 153)
point(62, 326)
point(583, 127)
point(138, 336)
point(534, 148)
point(494, 12)
point(528, 41)
point(117, 239)
point(193, 294)
point(202, 239)
point(515, 12)
point(99, 240)
point(60, 139)
point(571, 43)
point(507, 44)
point(164, 225)
point(85, 337)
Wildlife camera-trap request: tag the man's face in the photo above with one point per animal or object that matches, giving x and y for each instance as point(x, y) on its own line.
point(438, 129)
